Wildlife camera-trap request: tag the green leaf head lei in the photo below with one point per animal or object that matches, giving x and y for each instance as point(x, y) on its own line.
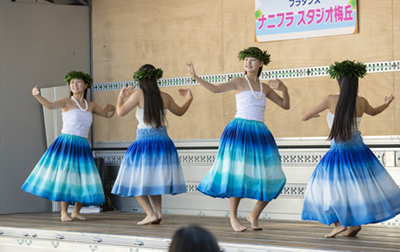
point(79, 75)
point(349, 68)
point(149, 73)
point(257, 53)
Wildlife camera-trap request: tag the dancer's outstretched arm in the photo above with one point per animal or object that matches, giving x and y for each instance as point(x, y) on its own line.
point(123, 107)
point(60, 103)
point(224, 87)
point(369, 110)
point(284, 101)
point(313, 112)
point(175, 108)
point(107, 111)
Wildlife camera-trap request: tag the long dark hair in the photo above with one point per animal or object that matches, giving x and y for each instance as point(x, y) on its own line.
point(345, 113)
point(194, 239)
point(261, 68)
point(153, 103)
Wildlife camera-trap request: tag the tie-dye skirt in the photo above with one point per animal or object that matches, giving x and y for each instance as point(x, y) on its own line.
point(248, 164)
point(150, 166)
point(350, 185)
point(67, 172)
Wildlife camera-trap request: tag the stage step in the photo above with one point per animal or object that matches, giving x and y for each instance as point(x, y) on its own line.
point(39, 240)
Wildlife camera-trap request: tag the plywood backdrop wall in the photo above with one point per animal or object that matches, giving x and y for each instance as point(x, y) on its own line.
point(210, 33)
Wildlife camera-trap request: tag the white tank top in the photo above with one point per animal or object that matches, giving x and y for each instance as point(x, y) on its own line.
point(142, 125)
point(330, 117)
point(249, 107)
point(76, 122)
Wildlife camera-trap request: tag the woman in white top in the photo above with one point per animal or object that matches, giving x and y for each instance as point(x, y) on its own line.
point(67, 171)
point(150, 166)
point(349, 186)
point(248, 164)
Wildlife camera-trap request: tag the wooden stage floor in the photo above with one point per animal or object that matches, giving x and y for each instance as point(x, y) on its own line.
point(302, 235)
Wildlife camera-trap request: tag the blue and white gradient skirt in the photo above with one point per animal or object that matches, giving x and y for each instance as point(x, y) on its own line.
point(150, 166)
point(248, 164)
point(350, 185)
point(67, 172)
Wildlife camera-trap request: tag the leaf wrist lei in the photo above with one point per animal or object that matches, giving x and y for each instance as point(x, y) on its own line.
point(140, 74)
point(349, 68)
point(263, 56)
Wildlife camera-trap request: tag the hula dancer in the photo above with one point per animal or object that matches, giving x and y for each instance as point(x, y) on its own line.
point(150, 166)
point(349, 186)
point(67, 171)
point(248, 164)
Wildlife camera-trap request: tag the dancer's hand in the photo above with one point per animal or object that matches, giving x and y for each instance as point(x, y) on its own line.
point(190, 68)
point(185, 93)
point(389, 99)
point(126, 91)
point(35, 91)
point(277, 84)
point(109, 108)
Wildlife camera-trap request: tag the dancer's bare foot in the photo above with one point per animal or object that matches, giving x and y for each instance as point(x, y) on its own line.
point(65, 217)
point(352, 231)
point(236, 225)
point(148, 220)
point(337, 230)
point(78, 217)
point(254, 223)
